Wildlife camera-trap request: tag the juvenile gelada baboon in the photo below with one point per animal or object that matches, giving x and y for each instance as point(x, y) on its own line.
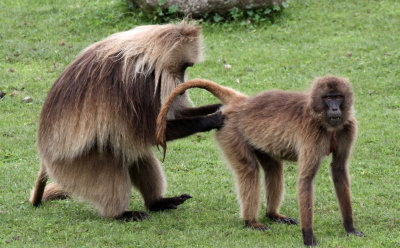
point(262, 131)
point(97, 125)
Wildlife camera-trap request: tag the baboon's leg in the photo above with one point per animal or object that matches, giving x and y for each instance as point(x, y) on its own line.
point(308, 167)
point(244, 165)
point(274, 187)
point(98, 178)
point(248, 187)
point(341, 180)
point(148, 177)
point(37, 192)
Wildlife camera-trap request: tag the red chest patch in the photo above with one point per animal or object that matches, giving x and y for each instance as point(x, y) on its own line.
point(332, 143)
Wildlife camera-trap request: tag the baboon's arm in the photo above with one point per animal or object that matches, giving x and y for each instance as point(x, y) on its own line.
point(341, 180)
point(307, 170)
point(179, 128)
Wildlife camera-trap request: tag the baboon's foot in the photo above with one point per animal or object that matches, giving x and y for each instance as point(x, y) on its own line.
point(53, 191)
point(256, 225)
point(133, 216)
point(309, 238)
point(356, 233)
point(282, 219)
point(169, 203)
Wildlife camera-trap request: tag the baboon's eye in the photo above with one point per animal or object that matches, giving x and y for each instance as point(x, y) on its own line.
point(333, 97)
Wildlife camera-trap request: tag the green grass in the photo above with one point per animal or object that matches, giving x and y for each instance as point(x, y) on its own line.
point(310, 38)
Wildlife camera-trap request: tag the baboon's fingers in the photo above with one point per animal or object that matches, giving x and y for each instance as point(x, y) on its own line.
point(285, 220)
point(169, 203)
point(281, 218)
point(186, 196)
point(262, 228)
point(180, 199)
point(257, 226)
point(357, 233)
point(133, 216)
point(162, 205)
point(290, 221)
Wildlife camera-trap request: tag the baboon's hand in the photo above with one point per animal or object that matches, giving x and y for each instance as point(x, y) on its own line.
point(257, 226)
point(133, 216)
point(288, 221)
point(221, 119)
point(357, 233)
point(282, 219)
point(169, 203)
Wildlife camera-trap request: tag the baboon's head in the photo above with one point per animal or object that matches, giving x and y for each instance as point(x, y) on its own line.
point(332, 98)
point(161, 53)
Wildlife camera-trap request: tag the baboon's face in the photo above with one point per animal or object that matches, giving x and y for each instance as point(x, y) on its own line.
point(181, 58)
point(332, 99)
point(183, 68)
point(333, 104)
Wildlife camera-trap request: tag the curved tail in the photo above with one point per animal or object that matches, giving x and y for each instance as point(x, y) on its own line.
point(225, 94)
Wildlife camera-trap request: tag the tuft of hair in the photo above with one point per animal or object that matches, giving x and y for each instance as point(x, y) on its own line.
point(329, 84)
point(150, 49)
point(109, 96)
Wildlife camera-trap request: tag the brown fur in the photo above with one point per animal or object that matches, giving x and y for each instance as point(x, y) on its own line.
point(98, 122)
point(262, 131)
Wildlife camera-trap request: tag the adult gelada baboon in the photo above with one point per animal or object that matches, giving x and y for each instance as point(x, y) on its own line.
point(262, 131)
point(98, 122)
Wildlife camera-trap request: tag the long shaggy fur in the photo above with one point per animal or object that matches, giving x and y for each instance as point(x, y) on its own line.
point(98, 121)
point(108, 83)
point(273, 126)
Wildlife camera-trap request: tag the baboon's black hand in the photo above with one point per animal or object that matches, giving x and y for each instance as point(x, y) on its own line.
point(133, 216)
point(220, 118)
point(287, 220)
point(169, 203)
point(290, 221)
point(257, 226)
point(282, 219)
point(357, 233)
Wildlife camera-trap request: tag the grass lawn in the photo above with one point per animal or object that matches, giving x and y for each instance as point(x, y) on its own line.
point(355, 39)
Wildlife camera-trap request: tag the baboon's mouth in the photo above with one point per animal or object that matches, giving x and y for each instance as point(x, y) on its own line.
point(334, 120)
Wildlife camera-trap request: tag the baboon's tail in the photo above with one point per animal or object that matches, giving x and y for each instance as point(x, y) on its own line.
point(41, 192)
point(37, 192)
point(225, 94)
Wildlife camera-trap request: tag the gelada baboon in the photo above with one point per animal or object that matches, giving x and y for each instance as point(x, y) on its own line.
point(262, 131)
point(97, 125)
